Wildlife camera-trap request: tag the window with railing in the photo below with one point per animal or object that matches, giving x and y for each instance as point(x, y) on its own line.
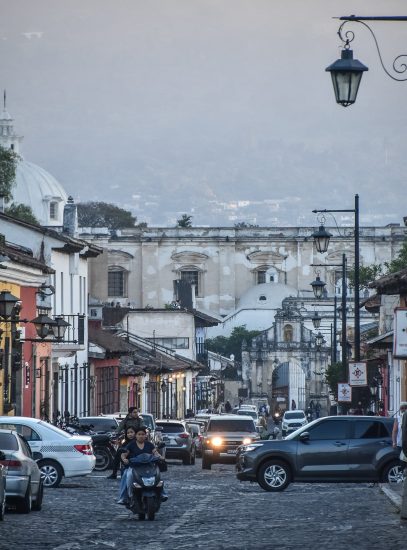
point(193, 278)
point(171, 343)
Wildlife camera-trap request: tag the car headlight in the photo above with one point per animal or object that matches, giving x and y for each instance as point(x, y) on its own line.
point(251, 447)
point(247, 440)
point(285, 426)
point(217, 441)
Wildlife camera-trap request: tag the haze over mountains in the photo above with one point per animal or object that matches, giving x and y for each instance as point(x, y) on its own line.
point(216, 108)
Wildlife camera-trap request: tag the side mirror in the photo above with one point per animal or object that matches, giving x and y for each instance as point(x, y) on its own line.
point(304, 436)
point(36, 456)
point(2, 456)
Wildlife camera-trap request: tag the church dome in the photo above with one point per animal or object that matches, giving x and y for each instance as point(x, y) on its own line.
point(37, 188)
point(266, 296)
point(33, 185)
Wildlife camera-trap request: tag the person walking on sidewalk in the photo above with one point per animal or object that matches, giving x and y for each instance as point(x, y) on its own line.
point(397, 432)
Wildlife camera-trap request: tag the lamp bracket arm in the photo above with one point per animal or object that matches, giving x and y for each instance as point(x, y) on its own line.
point(399, 66)
point(321, 218)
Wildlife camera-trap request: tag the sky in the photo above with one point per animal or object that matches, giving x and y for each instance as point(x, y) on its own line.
point(220, 109)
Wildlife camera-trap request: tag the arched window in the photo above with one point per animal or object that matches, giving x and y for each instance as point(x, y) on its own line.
point(117, 282)
point(288, 333)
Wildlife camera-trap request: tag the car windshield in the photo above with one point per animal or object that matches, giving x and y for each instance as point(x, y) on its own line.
point(243, 425)
point(8, 442)
point(171, 428)
point(294, 415)
point(247, 412)
point(54, 429)
point(147, 421)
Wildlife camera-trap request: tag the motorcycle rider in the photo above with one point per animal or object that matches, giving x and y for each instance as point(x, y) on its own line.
point(137, 446)
point(133, 420)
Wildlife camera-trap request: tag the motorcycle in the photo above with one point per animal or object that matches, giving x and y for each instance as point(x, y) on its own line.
point(146, 486)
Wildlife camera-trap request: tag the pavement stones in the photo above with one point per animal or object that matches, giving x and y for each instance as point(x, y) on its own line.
point(211, 510)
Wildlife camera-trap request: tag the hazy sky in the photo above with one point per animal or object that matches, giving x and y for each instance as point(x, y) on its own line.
point(167, 106)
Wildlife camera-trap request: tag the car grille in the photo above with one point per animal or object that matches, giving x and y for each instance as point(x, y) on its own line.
point(295, 425)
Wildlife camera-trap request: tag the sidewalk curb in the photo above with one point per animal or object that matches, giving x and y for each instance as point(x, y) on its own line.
point(391, 495)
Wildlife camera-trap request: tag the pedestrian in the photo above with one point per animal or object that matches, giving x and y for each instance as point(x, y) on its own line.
point(228, 407)
point(132, 420)
point(359, 410)
point(397, 432)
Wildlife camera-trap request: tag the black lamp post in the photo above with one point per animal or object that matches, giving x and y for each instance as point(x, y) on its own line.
point(319, 243)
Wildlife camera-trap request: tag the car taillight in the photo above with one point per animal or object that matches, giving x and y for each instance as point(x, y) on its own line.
point(12, 464)
point(84, 449)
point(200, 437)
point(184, 436)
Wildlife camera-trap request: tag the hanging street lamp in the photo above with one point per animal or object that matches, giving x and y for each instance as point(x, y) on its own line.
point(346, 74)
point(318, 287)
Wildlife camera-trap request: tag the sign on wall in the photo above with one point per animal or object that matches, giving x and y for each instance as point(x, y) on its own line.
point(344, 392)
point(400, 332)
point(357, 374)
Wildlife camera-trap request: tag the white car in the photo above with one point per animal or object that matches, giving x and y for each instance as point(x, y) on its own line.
point(62, 454)
point(292, 420)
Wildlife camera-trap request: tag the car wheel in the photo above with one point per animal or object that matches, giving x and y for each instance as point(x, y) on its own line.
point(37, 504)
point(393, 472)
point(206, 463)
point(51, 473)
point(24, 505)
point(274, 475)
point(186, 461)
point(193, 455)
point(283, 433)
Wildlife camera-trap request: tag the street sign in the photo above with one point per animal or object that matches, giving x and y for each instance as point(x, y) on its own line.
point(344, 392)
point(400, 332)
point(357, 374)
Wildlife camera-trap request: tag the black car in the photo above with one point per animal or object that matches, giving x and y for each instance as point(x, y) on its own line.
point(331, 449)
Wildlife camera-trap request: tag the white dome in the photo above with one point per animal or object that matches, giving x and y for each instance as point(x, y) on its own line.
point(37, 188)
point(265, 296)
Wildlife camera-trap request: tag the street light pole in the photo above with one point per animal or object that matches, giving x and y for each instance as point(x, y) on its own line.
point(355, 211)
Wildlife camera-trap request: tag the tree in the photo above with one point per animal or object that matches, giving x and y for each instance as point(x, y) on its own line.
point(184, 221)
point(333, 375)
point(400, 262)
point(227, 346)
point(367, 274)
point(8, 167)
point(22, 212)
point(103, 214)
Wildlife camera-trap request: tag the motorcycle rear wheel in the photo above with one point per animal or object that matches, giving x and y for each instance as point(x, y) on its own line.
point(103, 459)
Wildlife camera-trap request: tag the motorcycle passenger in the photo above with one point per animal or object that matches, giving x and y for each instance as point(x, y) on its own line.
point(134, 448)
point(130, 436)
point(133, 420)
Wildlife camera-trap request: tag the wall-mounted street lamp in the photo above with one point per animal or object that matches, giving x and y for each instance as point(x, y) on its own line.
point(347, 72)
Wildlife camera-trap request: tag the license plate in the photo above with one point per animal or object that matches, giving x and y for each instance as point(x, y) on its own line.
point(232, 451)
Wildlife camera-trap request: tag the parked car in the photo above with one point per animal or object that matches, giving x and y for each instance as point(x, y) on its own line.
point(197, 436)
point(292, 420)
point(99, 424)
point(178, 440)
point(223, 435)
point(331, 449)
point(59, 453)
point(3, 471)
point(24, 486)
point(249, 412)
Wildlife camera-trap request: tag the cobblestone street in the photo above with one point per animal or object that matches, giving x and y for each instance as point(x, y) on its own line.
point(209, 509)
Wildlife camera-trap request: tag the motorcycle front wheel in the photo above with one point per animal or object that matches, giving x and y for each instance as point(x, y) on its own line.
point(150, 505)
point(103, 459)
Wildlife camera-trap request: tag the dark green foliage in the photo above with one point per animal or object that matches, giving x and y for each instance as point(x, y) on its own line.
point(400, 262)
point(233, 344)
point(8, 166)
point(334, 374)
point(22, 212)
point(367, 274)
point(103, 214)
point(184, 221)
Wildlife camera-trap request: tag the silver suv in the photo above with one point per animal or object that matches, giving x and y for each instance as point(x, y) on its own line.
point(178, 440)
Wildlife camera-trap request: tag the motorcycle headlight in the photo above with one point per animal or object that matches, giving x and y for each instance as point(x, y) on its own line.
point(148, 481)
point(217, 441)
